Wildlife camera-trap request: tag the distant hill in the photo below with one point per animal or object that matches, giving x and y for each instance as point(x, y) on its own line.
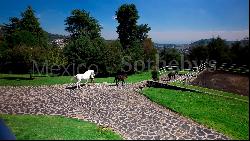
point(204, 42)
point(52, 36)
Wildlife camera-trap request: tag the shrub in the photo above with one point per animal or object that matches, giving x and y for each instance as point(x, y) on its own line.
point(155, 75)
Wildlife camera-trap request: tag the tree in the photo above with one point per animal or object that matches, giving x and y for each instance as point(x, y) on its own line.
point(170, 54)
point(128, 30)
point(142, 31)
point(127, 16)
point(29, 22)
point(239, 52)
point(149, 51)
point(130, 34)
point(113, 57)
point(199, 53)
point(218, 50)
point(24, 40)
point(10, 29)
point(80, 50)
point(25, 30)
point(86, 45)
point(80, 23)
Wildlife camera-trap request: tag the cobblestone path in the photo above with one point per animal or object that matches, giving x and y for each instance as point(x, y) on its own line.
point(121, 108)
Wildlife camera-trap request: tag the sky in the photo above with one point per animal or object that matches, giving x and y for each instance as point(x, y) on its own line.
point(171, 21)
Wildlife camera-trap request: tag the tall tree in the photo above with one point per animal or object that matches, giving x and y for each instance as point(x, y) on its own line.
point(29, 22)
point(130, 34)
point(218, 50)
point(10, 29)
point(127, 16)
point(198, 53)
point(25, 31)
point(113, 57)
point(80, 23)
point(86, 45)
point(128, 30)
point(142, 31)
point(169, 55)
point(149, 50)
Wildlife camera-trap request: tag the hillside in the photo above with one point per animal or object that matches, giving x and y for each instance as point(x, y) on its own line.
point(52, 36)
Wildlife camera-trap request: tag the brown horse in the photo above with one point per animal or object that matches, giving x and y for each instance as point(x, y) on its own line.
point(120, 77)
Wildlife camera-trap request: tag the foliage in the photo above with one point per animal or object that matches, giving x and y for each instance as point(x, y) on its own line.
point(199, 54)
point(142, 31)
point(154, 74)
point(128, 30)
point(80, 23)
point(86, 47)
point(29, 22)
point(113, 57)
point(26, 30)
point(228, 116)
point(55, 56)
point(149, 52)
point(23, 41)
point(170, 55)
point(218, 50)
point(239, 53)
point(36, 127)
point(127, 16)
point(86, 52)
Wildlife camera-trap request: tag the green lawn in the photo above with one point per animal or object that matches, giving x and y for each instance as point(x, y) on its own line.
point(23, 79)
point(31, 127)
point(228, 116)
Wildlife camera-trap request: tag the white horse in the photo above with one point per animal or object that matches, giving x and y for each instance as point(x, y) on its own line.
point(86, 76)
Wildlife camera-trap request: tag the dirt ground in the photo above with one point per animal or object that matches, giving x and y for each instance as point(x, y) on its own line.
point(225, 81)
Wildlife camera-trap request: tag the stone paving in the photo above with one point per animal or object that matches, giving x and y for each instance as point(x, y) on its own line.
point(121, 108)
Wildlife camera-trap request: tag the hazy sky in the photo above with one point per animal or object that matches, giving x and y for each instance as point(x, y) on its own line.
point(171, 21)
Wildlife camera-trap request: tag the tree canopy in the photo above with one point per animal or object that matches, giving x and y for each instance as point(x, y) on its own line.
point(128, 30)
point(80, 23)
point(25, 30)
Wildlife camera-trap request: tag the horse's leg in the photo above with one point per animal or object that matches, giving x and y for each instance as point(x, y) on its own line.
point(117, 83)
point(78, 83)
point(122, 82)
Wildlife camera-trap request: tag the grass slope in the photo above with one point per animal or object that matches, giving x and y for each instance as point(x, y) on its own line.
point(228, 116)
point(23, 79)
point(30, 127)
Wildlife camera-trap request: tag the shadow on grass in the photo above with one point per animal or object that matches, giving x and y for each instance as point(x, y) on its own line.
point(16, 78)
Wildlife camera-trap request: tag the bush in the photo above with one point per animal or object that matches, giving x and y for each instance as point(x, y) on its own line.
point(155, 75)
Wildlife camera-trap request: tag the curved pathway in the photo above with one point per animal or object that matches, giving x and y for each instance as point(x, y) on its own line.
point(121, 108)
